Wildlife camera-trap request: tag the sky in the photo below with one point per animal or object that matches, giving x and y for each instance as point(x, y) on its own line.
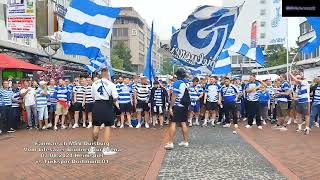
point(168, 13)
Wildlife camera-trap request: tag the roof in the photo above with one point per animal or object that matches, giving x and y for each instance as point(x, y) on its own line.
point(9, 62)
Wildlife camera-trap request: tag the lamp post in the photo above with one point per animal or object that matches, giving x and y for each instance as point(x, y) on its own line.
point(47, 44)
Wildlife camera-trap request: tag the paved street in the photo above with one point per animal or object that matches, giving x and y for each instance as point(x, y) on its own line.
point(216, 153)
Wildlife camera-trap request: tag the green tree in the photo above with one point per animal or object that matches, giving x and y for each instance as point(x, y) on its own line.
point(167, 66)
point(276, 55)
point(121, 57)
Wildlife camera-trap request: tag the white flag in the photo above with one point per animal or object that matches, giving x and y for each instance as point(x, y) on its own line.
point(278, 24)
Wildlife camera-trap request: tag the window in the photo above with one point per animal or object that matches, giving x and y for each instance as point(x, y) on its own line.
point(141, 46)
point(262, 1)
point(263, 35)
point(125, 32)
point(120, 32)
point(262, 12)
point(141, 57)
point(234, 59)
point(263, 24)
point(141, 36)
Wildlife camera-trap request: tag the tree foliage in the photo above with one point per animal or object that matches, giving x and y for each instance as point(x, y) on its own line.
point(121, 57)
point(277, 55)
point(167, 66)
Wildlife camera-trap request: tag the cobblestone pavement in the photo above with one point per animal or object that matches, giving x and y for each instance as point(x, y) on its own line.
point(138, 148)
point(216, 153)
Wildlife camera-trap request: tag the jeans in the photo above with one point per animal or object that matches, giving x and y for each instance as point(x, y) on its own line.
point(315, 109)
point(32, 110)
point(253, 111)
point(16, 119)
point(230, 109)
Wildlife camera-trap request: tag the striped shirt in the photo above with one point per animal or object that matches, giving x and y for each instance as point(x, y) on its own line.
point(16, 97)
point(6, 95)
point(124, 93)
point(51, 100)
point(195, 92)
point(79, 92)
point(158, 97)
point(89, 98)
point(132, 88)
point(303, 91)
point(316, 95)
point(283, 88)
point(42, 99)
point(62, 93)
point(240, 91)
point(229, 94)
point(212, 91)
point(253, 96)
point(143, 92)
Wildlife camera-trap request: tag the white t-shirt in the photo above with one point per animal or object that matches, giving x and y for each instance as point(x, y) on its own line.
point(102, 89)
point(30, 97)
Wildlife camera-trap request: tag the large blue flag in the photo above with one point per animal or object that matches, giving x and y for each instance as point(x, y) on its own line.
point(98, 63)
point(201, 38)
point(314, 42)
point(148, 70)
point(86, 26)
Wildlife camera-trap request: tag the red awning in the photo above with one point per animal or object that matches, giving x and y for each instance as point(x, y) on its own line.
point(8, 62)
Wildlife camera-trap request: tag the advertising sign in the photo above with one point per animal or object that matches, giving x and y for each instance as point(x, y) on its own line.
point(21, 18)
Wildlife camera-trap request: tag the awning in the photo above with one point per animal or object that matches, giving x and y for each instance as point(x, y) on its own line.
point(8, 62)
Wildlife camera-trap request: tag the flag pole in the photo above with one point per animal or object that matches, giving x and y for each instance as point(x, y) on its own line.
point(287, 49)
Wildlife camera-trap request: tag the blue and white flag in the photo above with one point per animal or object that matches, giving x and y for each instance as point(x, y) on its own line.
point(223, 64)
point(314, 42)
point(243, 49)
point(202, 36)
point(99, 63)
point(148, 69)
point(86, 26)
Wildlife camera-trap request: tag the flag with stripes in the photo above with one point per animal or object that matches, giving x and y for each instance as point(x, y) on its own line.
point(223, 64)
point(86, 26)
point(97, 64)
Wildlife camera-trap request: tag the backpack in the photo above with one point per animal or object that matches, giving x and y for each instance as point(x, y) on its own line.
point(185, 100)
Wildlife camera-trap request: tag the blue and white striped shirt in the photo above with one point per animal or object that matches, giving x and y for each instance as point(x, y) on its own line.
point(42, 100)
point(316, 95)
point(6, 95)
point(158, 97)
point(195, 92)
point(253, 96)
point(62, 93)
point(124, 93)
point(213, 91)
point(16, 97)
point(179, 88)
point(283, 88)
point(303, 91)
point(229, 94)
point(52, 100)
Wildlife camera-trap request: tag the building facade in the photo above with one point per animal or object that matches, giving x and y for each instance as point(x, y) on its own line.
point(131, 29)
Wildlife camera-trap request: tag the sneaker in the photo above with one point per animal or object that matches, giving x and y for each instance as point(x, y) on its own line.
point(254, 122)
point(74, 126)
point(260, 127)
point(118, 124)
point(185, 144)
point(130, 126)
point(44, 127)
point(197, 124)
point(64, 127)
point(70, 126)
point(248, 126)
point(121, 126)
point(29, 128)
point(236, 126)
point(108, 152)
point(316, 124)
point(213, 124)
point(113, 126)
point(168, 122)
point(264, 122)
point(11, 130)
point(283, 129)
point(55, 128)
point(295, 121)
point(138, 126)
point(244, 119)
point(307, 131)
point(84, 125)
point(289, 122)
point(0, 132)
point(204, 124)
point(190, 124)
point(218, 123)
point(49, 125)
point(169, 146)
point(146, 125)
point(226, 125)
point(92, 150)
point(89, 126)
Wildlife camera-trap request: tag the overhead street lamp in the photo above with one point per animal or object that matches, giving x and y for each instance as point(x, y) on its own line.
point(48, 43)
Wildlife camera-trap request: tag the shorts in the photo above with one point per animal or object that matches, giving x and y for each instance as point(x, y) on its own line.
point(52, 108)
point(125, 108)
point(157, 110)
point(180, 114)
point(103, 113)
point(282, 109)
point(142, 107)
point(77, 106)
point(60, 110)
point(71, 108)
point(195, 107)
point(89, 107)
point(303, 108)
point(211, 106)
point(238, 106)
point(42, 113)
point(289, 104)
